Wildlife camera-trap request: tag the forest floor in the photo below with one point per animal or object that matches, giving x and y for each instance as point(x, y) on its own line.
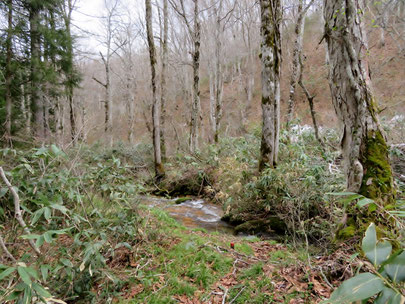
point(178, 265)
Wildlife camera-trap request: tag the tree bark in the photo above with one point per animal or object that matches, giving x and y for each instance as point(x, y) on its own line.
point(216, 74)
point(130, 104)
point(297, 54)
point(9, 74)
point(159, 169)
point(163, 85)
point(271, 16)
point(59, 111)
point(196, 106)
point(108, 101)
point(37, 103)
point(299, 29)
point(219, 83)
point(70, 71)
point(365, 151)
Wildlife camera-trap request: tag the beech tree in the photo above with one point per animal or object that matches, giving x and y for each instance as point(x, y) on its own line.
point(364, 146)
point(271, 15)
point(302, 9)
point(159, 169)
point(163, 76)
point(193, 25)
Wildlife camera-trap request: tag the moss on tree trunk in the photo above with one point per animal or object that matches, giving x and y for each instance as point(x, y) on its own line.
point(377, 179)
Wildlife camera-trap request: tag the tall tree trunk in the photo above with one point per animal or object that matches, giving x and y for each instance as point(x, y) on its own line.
point(59, 121)
point(218, 71)
point(159, 169)
point(130, 104)
point(37, 103)
point(9, 74)
point(196, 107)
point(108, 102)
point(70, 81)
point(82, 134)
point(383, 27)
point(72, 115)
point(212, 101)
point(365, 151)
point(47, 126)
point(271, 16)
point(163, 85)
point(299, 29)
point(26, 109)
point(297, 54)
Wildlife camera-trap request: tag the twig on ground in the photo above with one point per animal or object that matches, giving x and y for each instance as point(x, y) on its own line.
point(224, 297)
point(325, 278)
point(238, 294)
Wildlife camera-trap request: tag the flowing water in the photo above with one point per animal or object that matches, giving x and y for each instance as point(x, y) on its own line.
point(195, 213)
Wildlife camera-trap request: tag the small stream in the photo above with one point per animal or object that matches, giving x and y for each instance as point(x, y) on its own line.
point(195, 213)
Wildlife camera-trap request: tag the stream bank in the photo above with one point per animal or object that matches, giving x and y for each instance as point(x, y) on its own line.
point(196, 213)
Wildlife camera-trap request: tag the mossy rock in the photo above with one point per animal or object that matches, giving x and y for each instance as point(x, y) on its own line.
point(190, 183)
point(181, 200)
point(253, 227)
point(233, 219)
point(268, 225)
point(277, 225)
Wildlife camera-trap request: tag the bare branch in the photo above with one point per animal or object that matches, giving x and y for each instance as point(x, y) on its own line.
point(99, 82)
point(17, 209)
point(8, 254)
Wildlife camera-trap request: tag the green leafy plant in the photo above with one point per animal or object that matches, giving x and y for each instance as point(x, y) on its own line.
point(29, 286)
point(385, 280)
point(80, 210)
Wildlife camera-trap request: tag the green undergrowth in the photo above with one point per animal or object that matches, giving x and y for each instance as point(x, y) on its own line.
point(185, 266)
point(97, 244)
point(192, 264)
point(290, 200)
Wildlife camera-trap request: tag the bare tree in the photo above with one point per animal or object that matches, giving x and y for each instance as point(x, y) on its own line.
point(247, 16)
point(194, 31)
point(110, 26)
point(126, 42)
point(297, 54)
point(310, 99)
point(216, 26)
point(159, 169)
point(365, 151)
point(271, 15)
point(388, 16)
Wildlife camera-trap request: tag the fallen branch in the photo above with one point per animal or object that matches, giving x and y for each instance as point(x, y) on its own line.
point(8, 254)
point(234, 299)
point(225, 294)
point(17, 209)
